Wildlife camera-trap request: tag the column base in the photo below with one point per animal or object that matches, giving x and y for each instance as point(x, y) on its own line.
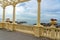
point(38, 30)
point(14, 26)
point(39, 25)
point(52, 26)
point(3, 24)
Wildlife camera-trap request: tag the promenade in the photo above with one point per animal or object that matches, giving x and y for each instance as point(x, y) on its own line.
point(5, 35)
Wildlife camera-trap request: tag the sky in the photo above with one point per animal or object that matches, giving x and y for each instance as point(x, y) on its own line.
point(27, 11)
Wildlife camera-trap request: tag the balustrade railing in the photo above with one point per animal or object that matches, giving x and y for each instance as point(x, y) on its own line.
point(49, 32)
point(53, 33)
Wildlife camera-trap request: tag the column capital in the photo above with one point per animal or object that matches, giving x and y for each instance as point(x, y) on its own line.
point(14, 4)
point(38, 1)
point(3, 7)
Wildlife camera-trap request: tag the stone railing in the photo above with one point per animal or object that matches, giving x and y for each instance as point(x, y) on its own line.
point(17, 27)
point(49, 32)
point(0, 25)
point(24, 28)
point(53, 33)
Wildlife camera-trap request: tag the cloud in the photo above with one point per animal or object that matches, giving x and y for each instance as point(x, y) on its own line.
point(20, 9)
point(28, 10)
point(50, 5)
point(9, 10)
point(1, 10)
point(50, 9)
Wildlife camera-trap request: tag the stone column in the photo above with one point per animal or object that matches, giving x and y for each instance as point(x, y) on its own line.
point(3, 17)
point(37, 29)
point(38, 14)
point(14, 14)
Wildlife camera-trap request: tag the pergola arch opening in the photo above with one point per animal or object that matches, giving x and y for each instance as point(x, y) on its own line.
point(9, 14)
point(1, 11)
point(10, 2)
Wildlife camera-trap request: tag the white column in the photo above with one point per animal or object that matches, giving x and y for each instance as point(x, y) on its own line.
point(13, 14)
point(3, 17)
point(38, 14)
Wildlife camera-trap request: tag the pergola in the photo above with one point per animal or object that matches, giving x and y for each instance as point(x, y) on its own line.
point(37, 30)
point(5, 3)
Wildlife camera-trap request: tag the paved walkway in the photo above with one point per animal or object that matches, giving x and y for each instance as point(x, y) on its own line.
point(5, 35)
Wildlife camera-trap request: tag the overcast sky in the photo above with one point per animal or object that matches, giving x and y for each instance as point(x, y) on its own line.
point(28, 10)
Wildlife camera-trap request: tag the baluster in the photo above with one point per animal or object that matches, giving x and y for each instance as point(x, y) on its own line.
point(50, 33)
point(43, 32)
point(53, 33)
point(47, 32)
point(58, 34)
